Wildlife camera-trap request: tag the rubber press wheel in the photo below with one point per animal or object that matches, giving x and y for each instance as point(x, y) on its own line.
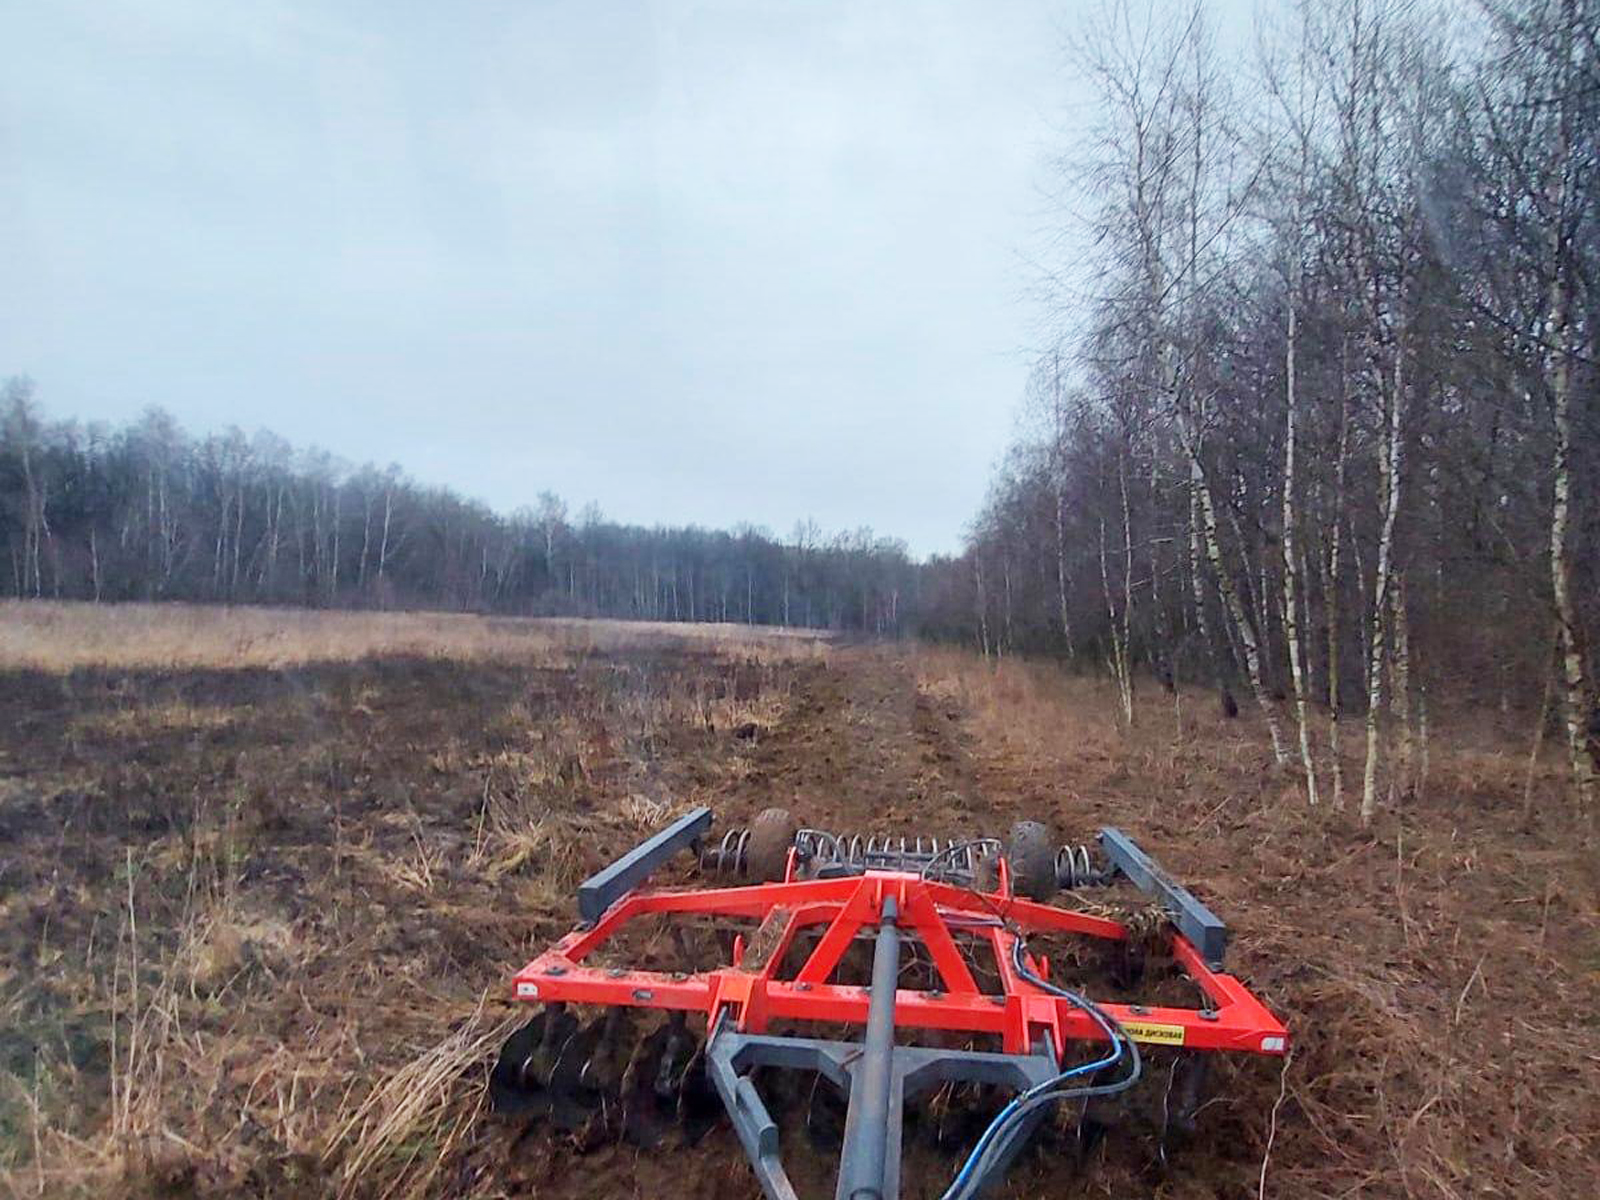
point(767, 852)
point(1031, 855)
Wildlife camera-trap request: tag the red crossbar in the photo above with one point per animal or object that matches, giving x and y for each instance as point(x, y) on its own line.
point(929, 911)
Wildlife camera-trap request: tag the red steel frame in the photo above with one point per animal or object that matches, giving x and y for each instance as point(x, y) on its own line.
point(754, 996)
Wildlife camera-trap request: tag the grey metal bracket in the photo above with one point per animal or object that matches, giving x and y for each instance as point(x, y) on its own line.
point(609, 884)
point(730, 1056)
point(1193, 919)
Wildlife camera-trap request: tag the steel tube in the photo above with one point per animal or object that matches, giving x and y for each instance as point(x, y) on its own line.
point(863, 1159)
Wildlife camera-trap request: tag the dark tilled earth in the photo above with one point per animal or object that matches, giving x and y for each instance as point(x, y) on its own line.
point(234, 904)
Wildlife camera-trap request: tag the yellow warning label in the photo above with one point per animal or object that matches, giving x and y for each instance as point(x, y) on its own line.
point(1160, 1035)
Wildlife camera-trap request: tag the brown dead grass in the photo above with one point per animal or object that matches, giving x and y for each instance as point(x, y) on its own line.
point(262, 869)
point(397, 1141)
point(66, 636)
point(1439, 971)
point(255, 925)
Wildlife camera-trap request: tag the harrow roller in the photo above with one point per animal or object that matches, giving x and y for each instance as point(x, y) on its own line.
point(961, 860)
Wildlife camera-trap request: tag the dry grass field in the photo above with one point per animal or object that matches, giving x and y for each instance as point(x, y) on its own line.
point(59, 637)
point(264, 876)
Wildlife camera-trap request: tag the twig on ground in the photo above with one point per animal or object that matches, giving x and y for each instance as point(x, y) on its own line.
point(1272, 1122)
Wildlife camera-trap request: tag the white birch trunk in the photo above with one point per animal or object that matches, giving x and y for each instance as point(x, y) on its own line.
point(1400, 691)
point(1119, 671)
point(1291, 560)
point(1330, 603)
point(1577, 701)
point(1231, 601)
point(1390, 471)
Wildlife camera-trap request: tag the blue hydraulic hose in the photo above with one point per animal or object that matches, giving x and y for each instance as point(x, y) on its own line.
point(1047, 1092)
point(1122, 1046)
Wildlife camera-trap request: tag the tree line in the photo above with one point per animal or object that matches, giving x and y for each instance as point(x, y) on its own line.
point(148, 512)
point(1318, 419)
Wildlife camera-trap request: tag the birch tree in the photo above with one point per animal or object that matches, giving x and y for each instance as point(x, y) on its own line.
point(1298, 101)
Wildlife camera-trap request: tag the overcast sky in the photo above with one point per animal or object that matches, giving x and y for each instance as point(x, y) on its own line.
point(696, 261)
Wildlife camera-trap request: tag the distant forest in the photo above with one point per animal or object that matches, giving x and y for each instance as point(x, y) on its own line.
point(149, 512)
point(1317, 419)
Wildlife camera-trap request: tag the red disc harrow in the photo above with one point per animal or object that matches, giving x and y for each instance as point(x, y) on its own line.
point(954, 902)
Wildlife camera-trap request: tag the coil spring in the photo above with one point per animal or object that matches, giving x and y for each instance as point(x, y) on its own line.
point(1075, 869)
point(729, 857)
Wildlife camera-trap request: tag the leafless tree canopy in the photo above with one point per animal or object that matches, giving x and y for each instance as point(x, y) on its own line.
point(1322, 428)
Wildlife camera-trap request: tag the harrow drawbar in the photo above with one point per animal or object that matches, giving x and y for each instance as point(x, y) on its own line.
point(955, 915)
